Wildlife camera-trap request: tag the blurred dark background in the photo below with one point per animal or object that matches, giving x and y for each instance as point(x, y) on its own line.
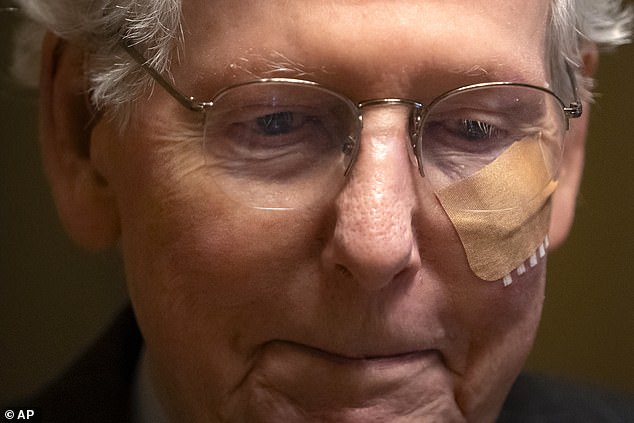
point(54, 298)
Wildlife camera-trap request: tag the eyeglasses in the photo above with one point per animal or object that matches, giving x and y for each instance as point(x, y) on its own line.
point(283, 143)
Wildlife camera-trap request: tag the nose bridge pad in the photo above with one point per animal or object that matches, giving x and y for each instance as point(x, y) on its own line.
point(414, 125)
point(352, 145)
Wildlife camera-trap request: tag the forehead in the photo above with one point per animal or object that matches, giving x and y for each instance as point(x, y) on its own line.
point(366, 40)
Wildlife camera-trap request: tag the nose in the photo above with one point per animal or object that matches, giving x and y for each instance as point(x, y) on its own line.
point(373, 241)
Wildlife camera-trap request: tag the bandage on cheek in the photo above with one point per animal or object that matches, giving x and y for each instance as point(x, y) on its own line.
point(502, 212)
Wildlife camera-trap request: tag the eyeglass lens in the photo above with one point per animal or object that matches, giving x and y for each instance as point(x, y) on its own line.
point(288, 145)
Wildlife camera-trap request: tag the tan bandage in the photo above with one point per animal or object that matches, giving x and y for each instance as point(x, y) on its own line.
point(502, 212)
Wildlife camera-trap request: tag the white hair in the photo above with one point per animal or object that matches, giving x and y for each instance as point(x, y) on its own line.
point(155, 27)
point(98, 26)
point(576, 25)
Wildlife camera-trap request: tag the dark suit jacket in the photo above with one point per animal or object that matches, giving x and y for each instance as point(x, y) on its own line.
point(98, 389)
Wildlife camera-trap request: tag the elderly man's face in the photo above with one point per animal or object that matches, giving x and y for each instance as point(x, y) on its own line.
point(362, 310)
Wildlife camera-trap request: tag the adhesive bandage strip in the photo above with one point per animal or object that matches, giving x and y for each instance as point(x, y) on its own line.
point(502, 212)
point(533, 261)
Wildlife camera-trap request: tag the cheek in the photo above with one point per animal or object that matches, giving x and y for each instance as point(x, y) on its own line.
point(203, 271)
point(182, 236)
point(502, 324)
point(200, 252)
point(503, 319)
point(190, 252)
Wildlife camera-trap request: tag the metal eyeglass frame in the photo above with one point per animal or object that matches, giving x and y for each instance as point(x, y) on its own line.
point(571, 111)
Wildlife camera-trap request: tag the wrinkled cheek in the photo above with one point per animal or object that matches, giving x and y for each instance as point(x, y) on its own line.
point(182, 273)
point(202, 273)
point(503, 329)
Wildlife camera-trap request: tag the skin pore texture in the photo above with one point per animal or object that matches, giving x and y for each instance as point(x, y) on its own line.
point(360, 310)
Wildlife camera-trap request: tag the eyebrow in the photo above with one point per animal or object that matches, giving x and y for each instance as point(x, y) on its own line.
point(271, 64)
point(469, 71)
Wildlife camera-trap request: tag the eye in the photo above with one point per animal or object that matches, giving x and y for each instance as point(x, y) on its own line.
point(277, 123)
point(457, 143)
point(472, 132)
point(476, 130)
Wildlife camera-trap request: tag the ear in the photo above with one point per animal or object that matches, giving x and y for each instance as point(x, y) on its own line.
point(565, 197)
point(84, 202)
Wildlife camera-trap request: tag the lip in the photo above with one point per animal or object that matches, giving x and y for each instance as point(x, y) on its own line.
point(377, 364)
point(360, 358)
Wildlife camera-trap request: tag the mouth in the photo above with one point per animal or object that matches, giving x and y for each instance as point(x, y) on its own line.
point(325, 382)
point(361, 358)
point(376, 364)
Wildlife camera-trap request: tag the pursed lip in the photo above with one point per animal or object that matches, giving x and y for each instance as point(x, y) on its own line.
point(399, 357)
point(360, 358)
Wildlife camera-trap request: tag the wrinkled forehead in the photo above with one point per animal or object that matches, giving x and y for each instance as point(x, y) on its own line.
point(493, 39)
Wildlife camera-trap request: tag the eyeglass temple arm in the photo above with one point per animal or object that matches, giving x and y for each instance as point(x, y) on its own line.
point(189, 102)
point(574, 109)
